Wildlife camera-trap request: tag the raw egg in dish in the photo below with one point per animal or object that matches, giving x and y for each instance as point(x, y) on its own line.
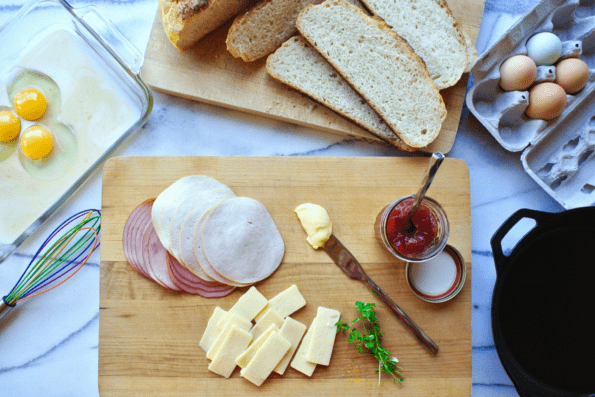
point(47, 152)
point(22, 84)
point(572, 74)
point(36, 142)
point(546, 101)
point(10, 126)
point(8, 132)
point(30, 104)
point(517, 73)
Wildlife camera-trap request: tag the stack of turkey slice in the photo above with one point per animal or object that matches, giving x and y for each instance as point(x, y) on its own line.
point(212, 241)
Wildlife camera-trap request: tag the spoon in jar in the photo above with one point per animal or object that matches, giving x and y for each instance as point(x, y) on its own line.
point(435, 162)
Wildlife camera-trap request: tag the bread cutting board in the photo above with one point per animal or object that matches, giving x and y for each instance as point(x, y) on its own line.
point(209, 73)
point(148, 336)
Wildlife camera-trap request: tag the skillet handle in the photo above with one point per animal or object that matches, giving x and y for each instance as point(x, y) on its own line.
point(496, 241)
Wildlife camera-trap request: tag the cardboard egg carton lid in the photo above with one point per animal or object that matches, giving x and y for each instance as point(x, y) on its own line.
point(558, 154)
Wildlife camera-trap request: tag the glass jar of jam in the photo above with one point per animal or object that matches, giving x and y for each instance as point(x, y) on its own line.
point(422, 240)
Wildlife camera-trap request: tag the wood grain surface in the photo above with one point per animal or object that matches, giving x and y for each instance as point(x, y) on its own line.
point(148, 336)
point(209, 73)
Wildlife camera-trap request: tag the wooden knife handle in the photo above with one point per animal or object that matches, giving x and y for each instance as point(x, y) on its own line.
point(419, 334)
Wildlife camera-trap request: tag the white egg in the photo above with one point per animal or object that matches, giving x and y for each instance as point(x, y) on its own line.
point(544, 48)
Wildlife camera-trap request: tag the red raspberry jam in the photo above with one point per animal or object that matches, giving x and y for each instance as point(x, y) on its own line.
point(411, 241)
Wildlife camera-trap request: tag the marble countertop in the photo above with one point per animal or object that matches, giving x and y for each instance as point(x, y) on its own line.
point(51, 347)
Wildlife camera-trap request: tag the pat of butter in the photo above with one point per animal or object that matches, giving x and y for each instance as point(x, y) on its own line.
point(244, 358)
point(292, 330)
point(233, 345)
point(248, 306)
point(268, 318)
point(234, 319)
point(211, 332)
point(266, 359)
point(285, 303)
point(316, 223)
point(323, 336)
point(299, 361)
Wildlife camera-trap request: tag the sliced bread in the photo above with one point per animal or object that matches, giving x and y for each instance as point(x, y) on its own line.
point(297, 64)
point(471, 52)
point(432, 31)
point(380, 65)
point(187, 21)
point(261, 30)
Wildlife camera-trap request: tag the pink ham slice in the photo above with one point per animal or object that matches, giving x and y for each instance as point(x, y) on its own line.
point(156, 259)
point(198, 286)
point(136, 221)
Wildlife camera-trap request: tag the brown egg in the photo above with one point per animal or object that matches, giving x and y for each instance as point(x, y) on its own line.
point(572, 74)
point(517, 73)
point(546, 101)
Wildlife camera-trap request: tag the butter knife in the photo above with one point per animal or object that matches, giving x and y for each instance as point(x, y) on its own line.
point(347, 262)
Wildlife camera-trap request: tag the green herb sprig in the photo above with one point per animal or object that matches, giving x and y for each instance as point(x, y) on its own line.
point(371, 340)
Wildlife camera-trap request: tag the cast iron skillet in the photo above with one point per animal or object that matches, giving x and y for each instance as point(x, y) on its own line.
point(543, 306)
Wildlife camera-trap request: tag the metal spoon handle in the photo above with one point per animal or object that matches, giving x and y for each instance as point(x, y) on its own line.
point(419, 334)
point(435, 162)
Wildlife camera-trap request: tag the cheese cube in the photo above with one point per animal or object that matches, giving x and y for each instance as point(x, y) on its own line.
point(293, 331)
point(211, 332)
point(233, 320)
point(285, 303)
point(247, 355)
point(233, 345)
point(266, 358)
point(248, 306)
point(299, 361)
point(270, 317)
point(323, 336)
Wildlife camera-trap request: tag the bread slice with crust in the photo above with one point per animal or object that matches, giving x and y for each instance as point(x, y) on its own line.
point(261, 30)
point(188, 21)
point(432, 31)
point(380, 65)
point(297, 64)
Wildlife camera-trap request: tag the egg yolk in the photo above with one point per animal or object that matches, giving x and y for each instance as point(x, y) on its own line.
point(30, 104)
point(10, 126)
point(36, 142)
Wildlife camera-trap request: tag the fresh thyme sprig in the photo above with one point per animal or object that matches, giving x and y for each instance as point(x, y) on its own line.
point(371, 340)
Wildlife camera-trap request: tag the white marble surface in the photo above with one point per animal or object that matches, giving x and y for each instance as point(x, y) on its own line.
point(50, 347)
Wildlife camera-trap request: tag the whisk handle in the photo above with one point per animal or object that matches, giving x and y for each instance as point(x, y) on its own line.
point(5, 308)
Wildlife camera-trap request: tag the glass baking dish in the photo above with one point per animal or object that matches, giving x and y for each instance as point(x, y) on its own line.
point(96, 99)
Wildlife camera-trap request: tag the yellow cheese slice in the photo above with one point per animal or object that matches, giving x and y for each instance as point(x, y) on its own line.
point(233, 345)
point(323, 336)
point(292, 330)
point(266, 358)
point(248, 306)
point(299, 361)
point(285, 303)
point(270, 317)
point(249, 353)
point(211, 332)
point(233, 320)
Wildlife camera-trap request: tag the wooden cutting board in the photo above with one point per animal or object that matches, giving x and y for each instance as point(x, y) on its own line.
point(148, 336)
point(209, 73)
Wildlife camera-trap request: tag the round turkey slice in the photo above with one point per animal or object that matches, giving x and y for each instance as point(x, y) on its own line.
point(179, 196)
point(166, 196)
point(241, 241)
point(202, 259)
point(184, 210)
point(186, 248)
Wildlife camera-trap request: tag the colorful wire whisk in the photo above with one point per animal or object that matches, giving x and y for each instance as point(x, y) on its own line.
point(60, 256)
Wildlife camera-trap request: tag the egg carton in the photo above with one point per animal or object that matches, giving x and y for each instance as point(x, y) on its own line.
point(558, 154)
